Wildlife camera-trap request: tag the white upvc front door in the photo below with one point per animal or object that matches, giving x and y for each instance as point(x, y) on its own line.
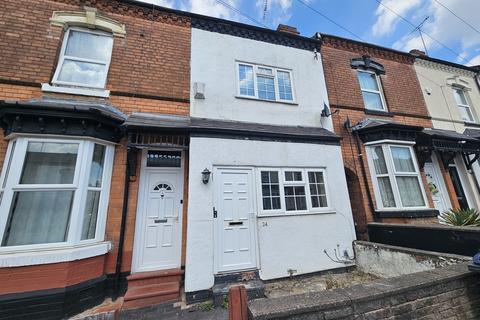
point(437, 185)
point(235, 220)
point(158, 232)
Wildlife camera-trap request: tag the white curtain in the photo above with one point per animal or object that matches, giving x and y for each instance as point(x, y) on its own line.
point(402, 159)
point(386, 191)
point(410, 192)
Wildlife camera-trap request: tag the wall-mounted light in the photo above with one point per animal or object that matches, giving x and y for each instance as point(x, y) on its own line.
point(205, 175)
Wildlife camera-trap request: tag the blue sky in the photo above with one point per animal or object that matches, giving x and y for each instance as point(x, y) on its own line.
point(367, 19)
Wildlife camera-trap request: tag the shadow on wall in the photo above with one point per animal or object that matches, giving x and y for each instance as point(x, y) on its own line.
point(356, 202)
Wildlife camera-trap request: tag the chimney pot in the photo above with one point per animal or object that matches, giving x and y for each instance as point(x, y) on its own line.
point(288, 29)
point(418, 53)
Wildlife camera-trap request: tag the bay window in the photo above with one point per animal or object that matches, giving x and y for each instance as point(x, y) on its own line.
point(265, 83)
point(396, 177)
point(56, 194)
point(293, 190)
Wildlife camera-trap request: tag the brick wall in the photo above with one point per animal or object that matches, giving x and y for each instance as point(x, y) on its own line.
point(446, 293)
point(405, 105)
point(149, 72)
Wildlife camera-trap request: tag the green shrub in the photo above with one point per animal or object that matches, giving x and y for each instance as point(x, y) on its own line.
point(461, 217)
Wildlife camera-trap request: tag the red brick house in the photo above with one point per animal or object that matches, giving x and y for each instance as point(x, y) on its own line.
point(379, 111)
point(66, 146)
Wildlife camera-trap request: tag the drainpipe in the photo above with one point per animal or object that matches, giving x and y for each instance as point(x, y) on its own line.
point(121, 241)
point(364, 173)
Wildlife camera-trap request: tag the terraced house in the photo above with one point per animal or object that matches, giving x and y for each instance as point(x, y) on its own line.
point(452, 95)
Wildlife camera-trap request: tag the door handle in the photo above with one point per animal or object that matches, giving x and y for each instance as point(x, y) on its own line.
point(160, 220)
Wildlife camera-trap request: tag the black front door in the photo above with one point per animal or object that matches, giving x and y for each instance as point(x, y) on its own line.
point(457, 185)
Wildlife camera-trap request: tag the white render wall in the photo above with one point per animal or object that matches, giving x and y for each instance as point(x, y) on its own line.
point(442, 107)
point(286, 242)
point(213, 62)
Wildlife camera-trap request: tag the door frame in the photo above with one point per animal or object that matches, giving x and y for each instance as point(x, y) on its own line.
point(464, 181)
point(139, 217)
point(216, 236)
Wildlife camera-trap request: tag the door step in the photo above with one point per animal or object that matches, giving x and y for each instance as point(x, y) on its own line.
point(152, 288)
point(249, 279)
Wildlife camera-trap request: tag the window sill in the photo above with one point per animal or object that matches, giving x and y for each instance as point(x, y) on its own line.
point(292, 103)
point(405, 213)
point(78, 91)
point(293, 214)
point(378, 113)
point(52, 255)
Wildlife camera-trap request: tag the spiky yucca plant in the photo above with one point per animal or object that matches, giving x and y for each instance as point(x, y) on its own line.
point(461, 217)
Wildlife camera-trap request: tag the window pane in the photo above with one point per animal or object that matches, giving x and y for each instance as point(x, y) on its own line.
point(38, 217)
point(379, 161)
point(460, 96)
point(89, 46)
point(410, 192)
point(372, 100)
point(90, 215)
point(266, 88)
point(284, 85)
point(270, 190)
point(466, 113)
point(96, 172)
point(265, 71)
point(246, 80)
point(49, 163)
point(386, 192)
point(161, 159)
point(367, 80)
point(402, 159)
point(293, 176)
point(85, 73)
point(317, 189)
point(295, 198)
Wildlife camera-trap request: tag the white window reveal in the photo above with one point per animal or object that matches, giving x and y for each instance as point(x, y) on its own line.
point(371, 90)
point(396, 177)
point(265, 83)
point(56, 196)
point(84, 59)
point(295, 190)
point(463, 106)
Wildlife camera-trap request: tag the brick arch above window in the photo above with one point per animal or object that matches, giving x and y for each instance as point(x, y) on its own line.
point(89, 18)
point(366, 63)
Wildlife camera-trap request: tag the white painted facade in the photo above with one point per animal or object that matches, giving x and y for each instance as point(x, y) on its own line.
point(438, 82)
point(283, 243)
point(215, 66)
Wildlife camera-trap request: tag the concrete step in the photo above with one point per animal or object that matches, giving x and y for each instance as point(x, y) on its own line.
point(255, 289)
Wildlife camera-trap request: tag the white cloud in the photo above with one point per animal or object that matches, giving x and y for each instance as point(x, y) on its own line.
point(163, 3)
point(447, 29)
point(211, 8)
point(386, 19)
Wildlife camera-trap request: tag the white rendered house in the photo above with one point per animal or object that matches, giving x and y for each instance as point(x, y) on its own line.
point(276, 197)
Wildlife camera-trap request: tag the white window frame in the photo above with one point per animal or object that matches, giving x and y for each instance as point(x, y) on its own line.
point(283, 183)
point(465, 106)
point(10, 178)
point(256, 73)
point(392, 174)
point(380, 91)
point(62, 58)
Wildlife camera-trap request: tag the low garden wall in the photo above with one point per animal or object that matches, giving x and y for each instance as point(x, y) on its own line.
point(432, 237)
point(446, 290)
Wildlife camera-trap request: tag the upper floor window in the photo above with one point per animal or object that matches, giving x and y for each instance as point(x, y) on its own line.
point(293, 190)
point(463, 106)
point(396, 177)
point(265, 83)
point(56, 194)
point(84, 59)
point(371, 90)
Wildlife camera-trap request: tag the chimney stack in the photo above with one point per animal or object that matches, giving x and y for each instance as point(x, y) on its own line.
point(418, 53)
point(288, 29)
